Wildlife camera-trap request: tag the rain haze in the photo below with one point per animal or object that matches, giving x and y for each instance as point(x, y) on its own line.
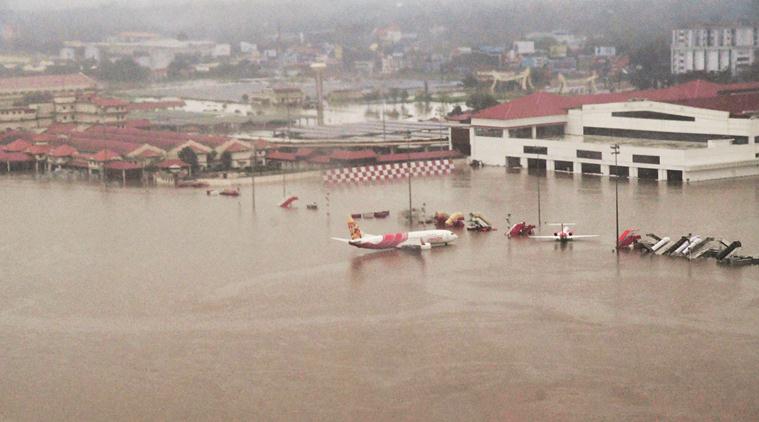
point(379, 210)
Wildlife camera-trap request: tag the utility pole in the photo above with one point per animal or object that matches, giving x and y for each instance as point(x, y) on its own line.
point(615, 153)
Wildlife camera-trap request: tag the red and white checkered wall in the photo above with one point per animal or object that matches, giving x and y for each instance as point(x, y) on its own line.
point(382, 172)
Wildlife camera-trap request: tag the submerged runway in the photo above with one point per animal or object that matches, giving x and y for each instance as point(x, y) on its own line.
point(128, 303)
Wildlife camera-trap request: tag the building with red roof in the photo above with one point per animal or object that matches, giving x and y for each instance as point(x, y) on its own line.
point(694, 131)
point(16, 88)
point(19, 145)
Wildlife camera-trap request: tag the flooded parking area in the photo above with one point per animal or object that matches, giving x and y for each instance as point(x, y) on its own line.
point(133, 303)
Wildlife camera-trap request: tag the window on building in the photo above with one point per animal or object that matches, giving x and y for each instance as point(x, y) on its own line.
point(489, 132)
point(513, 162)
point(646, 159)
point(644, 173)
point(591, 155)
point(563, 166)
point(591, 168)
point(652, 115)
point(740, 140)
point(535, 150)
point(550, 132)
point(521, 133)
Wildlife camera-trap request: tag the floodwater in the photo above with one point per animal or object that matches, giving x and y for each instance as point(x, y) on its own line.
point(127, 303)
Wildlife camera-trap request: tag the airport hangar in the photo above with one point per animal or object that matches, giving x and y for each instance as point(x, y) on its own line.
point(690, 132)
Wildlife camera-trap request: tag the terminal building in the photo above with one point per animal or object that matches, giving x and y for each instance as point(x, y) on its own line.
point(690, 132)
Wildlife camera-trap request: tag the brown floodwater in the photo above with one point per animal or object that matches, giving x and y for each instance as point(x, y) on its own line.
point(132, 303)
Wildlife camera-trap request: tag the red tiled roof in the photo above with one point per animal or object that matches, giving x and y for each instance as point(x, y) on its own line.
point(39, 149)
point(61, 128)
point(304, 152)
point(122, 165)
point(63, 151)
point(105, 155)
point(546, 104)
point(19, 145)
point(735, 104)
point(416, 156)
point(346, 155)
point(138, 123)
point(237, 147)
point(15, 157)
point(47, 82)
point(281, 156)
point(173, 163)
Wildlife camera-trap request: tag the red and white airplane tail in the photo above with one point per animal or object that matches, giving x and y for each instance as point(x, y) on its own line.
point(354, 230)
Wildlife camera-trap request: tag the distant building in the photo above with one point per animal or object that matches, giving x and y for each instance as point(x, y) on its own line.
point(365, 67)
point(222, 50)
point(38, 101)
point(714, 48)
point(67, 53)
point(390, 34)
point(246, 47)
point(524, 47)
point(16, 89)
point(605, 51)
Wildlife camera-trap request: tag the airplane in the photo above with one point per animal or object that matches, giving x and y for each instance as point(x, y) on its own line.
point(628, 238)
point(415, 240)
point(565, 234)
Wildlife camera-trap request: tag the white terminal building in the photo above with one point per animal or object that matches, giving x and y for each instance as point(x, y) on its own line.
point(690, 132)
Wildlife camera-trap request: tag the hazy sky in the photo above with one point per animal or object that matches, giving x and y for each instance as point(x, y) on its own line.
point(63, 4)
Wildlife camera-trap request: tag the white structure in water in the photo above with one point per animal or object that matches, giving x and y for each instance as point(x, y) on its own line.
point(690, 132)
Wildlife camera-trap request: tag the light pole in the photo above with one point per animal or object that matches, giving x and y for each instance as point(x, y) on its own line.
point(537, 177)
point(408, 169)
point(615, 153)
point(253, 172)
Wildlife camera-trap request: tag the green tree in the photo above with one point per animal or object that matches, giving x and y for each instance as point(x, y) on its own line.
point(480, 100)
point(470, 81)
point(122, 70)
point(188, 156)
point(404, 96)
point(651, 64)
point(226, 160)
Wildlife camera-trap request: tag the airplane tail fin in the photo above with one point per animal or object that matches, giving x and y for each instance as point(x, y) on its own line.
point(354, 230)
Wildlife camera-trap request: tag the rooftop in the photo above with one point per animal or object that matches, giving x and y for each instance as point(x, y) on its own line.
point(707, 94)
point(47, 82)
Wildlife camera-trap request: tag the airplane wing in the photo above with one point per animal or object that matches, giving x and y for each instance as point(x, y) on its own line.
point(544, 237)
point(339, 239)
point(584, 236)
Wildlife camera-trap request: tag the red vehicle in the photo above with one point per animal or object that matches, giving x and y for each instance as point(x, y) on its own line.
point(521, 229)
point(628, 238)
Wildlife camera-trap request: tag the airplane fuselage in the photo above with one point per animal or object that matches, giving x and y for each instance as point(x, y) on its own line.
point(405, 239)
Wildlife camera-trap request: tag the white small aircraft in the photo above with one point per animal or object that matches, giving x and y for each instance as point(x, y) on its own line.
point(417, 240)
point(565, 234)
